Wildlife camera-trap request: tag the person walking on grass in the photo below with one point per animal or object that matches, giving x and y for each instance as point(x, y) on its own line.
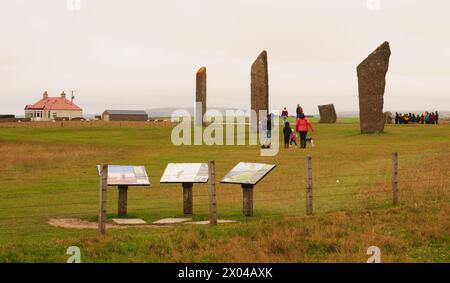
point(302, 127)
point(299, 110)
point(284, 114)
point(269, 125)
point(287, 131)
point(293, 138)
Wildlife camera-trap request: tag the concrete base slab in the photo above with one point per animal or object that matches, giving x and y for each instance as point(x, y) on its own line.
point(166, 221)
point(129, 221)
point(205, 222)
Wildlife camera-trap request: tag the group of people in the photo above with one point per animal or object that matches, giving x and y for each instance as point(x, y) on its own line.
point(425, 118)
point(302, 126)
point(285, 113)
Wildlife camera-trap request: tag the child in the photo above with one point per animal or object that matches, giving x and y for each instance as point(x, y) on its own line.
point(293, 138)
point(287, 131)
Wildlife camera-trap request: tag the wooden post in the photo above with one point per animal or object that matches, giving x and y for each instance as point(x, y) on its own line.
point(212, 193)
point(187, 198)
point(309, 186)
point(123, 195)
point(102, 199)
point(247, 190)
point(394, 178)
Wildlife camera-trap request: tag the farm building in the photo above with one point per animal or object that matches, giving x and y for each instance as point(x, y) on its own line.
point(50, 108)
point(124, 115)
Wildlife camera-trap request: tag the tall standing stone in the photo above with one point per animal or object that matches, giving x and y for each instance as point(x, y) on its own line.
point(259, 89)
point(371, 84)
point(327, 113)
point(200, 96)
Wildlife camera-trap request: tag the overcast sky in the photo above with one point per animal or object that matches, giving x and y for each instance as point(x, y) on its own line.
point(141, 54)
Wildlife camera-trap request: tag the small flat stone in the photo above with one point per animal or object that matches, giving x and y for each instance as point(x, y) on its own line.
point(171, 221)
point(129, 221)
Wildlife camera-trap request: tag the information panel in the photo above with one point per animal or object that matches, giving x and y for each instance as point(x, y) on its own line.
point(126, 175)
point(247, 173)
point(185, 173)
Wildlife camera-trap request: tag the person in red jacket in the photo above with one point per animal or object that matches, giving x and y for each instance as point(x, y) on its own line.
point(302, 127)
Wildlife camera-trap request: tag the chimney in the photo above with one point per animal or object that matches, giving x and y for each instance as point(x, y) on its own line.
point(45, 95)
point(63, 94)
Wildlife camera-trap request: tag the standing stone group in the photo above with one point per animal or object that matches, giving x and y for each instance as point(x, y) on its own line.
point(371, 86)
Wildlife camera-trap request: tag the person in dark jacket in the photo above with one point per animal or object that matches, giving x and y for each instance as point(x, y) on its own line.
point(436, 118)
point(397, 118)
point(284, 114)
point(287, 134)
point(269, 126)
point(299, 110)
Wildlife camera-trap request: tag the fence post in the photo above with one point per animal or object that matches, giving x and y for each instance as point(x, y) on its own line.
point(212, 193)
point(102, 199)
point(394, 178)
point(309, 186)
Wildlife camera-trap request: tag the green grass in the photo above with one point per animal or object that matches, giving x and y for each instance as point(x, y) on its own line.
point(49, 172)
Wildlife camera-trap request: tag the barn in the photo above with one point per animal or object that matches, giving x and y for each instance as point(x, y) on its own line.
point(124, 115)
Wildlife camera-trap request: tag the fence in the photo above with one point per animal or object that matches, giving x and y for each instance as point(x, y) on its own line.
point(35, 199)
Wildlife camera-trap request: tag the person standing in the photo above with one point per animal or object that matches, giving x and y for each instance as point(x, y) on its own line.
point(397, 118)
point(269, 126)
point(299, 110)
point(432, 118)
point(284, 114)
point(436, 118)
point(406, 119)
point(302, 127)
point(287, 134)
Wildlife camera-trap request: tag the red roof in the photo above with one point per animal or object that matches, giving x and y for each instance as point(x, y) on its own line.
point(53, 103)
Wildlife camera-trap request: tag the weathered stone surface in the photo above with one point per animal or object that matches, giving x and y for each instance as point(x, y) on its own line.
point(129, 221)
point(327, 113)
point(200, 96)
point(166, 221)
point(371, 84)
point(206, 222)
point(387, 117)
point(259, 89)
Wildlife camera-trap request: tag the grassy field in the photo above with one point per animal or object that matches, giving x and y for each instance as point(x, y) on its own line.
point(48, 171)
